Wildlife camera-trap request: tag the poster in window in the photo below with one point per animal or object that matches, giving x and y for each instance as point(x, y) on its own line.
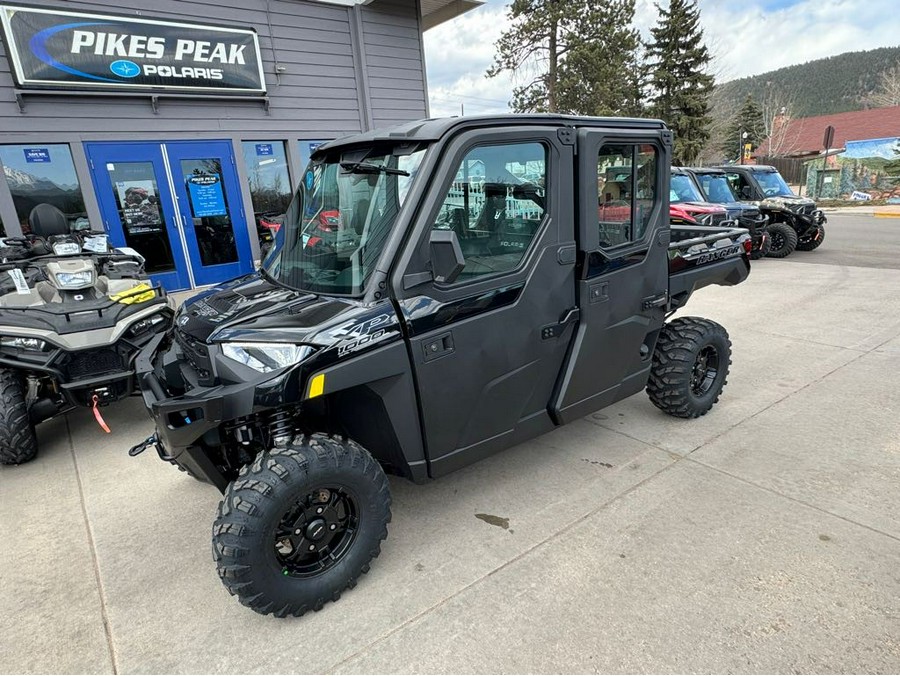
point(207, 198)
point(140, 206)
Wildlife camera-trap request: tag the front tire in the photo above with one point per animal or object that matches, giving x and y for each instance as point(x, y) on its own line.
point(300, 525)
point(18, 442)
point(690, 367)
point(783, 240)
point(813, 241)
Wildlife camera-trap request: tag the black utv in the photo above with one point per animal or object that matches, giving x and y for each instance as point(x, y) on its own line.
point(794, 222)
point(713, 184)
point(478, 290)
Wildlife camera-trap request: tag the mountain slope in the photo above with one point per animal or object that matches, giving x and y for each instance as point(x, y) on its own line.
point(832, 85)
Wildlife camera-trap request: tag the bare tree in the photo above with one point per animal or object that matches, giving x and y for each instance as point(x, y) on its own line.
point(888, 91)
point(721, 112)
point(781, 135)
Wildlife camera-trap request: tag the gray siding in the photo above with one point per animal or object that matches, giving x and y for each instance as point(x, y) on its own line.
point(393, 56)
point(320, 94)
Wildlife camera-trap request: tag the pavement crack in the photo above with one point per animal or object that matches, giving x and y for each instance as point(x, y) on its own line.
point(793, 499)
point(104, 615)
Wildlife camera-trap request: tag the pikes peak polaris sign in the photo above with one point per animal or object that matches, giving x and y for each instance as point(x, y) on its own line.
point(57, 49)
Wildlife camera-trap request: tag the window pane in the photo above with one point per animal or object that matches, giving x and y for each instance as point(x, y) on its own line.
point(270, 186)
point(209, 210)
point(136, 192)
point(307, 148)
point(495, 205)
point(614, 188)
point(645, 196)
point(43, 173)
point(267, 170)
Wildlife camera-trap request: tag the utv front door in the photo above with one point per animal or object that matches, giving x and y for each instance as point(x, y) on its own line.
point(488, 347)
point(622, 290)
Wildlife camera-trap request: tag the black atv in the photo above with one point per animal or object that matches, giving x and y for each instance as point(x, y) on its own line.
point(450, 320)
point(715, 187)
point(73, 314)
point(794, 222)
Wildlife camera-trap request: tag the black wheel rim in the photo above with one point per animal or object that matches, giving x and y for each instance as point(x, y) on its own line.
point(316, 532)
point(705, 371)
point(777, 241)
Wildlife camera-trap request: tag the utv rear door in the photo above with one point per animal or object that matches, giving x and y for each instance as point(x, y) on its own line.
point(623, 237)
point(488, 347)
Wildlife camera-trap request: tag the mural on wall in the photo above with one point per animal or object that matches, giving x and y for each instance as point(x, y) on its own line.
point(870, 168)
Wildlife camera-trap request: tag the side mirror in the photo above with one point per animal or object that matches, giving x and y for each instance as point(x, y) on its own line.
point(446, 256)
point(745, 192)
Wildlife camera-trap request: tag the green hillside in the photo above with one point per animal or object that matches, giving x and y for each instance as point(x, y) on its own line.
point(832, 85)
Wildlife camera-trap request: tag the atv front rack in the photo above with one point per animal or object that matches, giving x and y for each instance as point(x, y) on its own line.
point(89, 314)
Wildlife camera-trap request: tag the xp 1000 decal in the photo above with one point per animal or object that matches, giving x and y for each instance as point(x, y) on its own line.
point(62, 50)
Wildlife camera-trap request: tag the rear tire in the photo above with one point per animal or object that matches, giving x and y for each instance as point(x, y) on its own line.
point(782, 240)
point(300, 524)
point(813, 241)
point(690, 367)
point(18, 443)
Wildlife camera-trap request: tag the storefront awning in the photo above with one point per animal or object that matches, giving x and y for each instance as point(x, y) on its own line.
point(434, 12)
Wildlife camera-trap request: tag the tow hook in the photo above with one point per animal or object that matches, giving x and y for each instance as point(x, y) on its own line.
point(144, 445)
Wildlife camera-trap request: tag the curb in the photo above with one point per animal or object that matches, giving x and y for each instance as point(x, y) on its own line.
point(883, 215)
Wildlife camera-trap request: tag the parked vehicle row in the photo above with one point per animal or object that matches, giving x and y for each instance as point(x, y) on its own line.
point(755, 197)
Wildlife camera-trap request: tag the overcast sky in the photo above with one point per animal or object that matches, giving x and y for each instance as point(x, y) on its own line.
point(746, 37)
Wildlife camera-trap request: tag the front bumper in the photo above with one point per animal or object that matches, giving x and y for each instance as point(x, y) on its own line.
point(807, 222)
point(189, 425)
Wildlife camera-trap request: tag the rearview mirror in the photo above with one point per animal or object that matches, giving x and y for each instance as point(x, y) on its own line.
point(446, 256)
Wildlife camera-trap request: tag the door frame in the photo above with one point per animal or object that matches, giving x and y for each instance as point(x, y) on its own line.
point(233, 186)
point(153, 153)
point(173, 153)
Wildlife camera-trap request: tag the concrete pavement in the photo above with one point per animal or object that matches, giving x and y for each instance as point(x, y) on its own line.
point(763, 537)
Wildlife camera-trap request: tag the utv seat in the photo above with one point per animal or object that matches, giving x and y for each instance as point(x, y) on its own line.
point(46, 220)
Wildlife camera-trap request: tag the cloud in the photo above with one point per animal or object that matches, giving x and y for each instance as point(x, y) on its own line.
point(745, 38)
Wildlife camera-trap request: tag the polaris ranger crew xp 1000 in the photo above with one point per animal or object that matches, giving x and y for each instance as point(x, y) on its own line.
point(469, 291)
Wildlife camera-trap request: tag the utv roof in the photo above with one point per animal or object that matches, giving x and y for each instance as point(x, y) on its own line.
point(705, 170)
point(766, 168)
point(436, 128)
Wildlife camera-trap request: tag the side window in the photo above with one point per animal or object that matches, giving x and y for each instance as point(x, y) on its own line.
point(627, 190)
point(495, 204)
point(739, 186)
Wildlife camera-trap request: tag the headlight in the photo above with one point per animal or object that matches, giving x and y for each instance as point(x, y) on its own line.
point(31, 344)
point(75, 280)
point(145, 324)
point(265, 357)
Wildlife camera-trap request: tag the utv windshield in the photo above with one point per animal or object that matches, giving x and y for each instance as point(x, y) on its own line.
point(716, 187)
point(341, 217)
point(682, 189)
point(772, 184)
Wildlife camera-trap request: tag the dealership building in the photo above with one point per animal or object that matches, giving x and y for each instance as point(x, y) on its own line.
point(180, 127)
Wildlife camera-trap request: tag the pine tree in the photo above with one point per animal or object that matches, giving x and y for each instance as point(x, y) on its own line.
point(602, 74)
point(536, 40)
point(580, 56)
point(749, 119)
point(678, 61)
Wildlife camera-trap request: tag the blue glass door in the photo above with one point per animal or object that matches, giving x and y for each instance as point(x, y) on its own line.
point(209, 204)
point(178, 204)
point(132, 186)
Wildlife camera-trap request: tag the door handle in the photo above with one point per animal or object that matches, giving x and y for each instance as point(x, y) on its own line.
point(571, 316)
point(438, 346)
point(659, 300)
